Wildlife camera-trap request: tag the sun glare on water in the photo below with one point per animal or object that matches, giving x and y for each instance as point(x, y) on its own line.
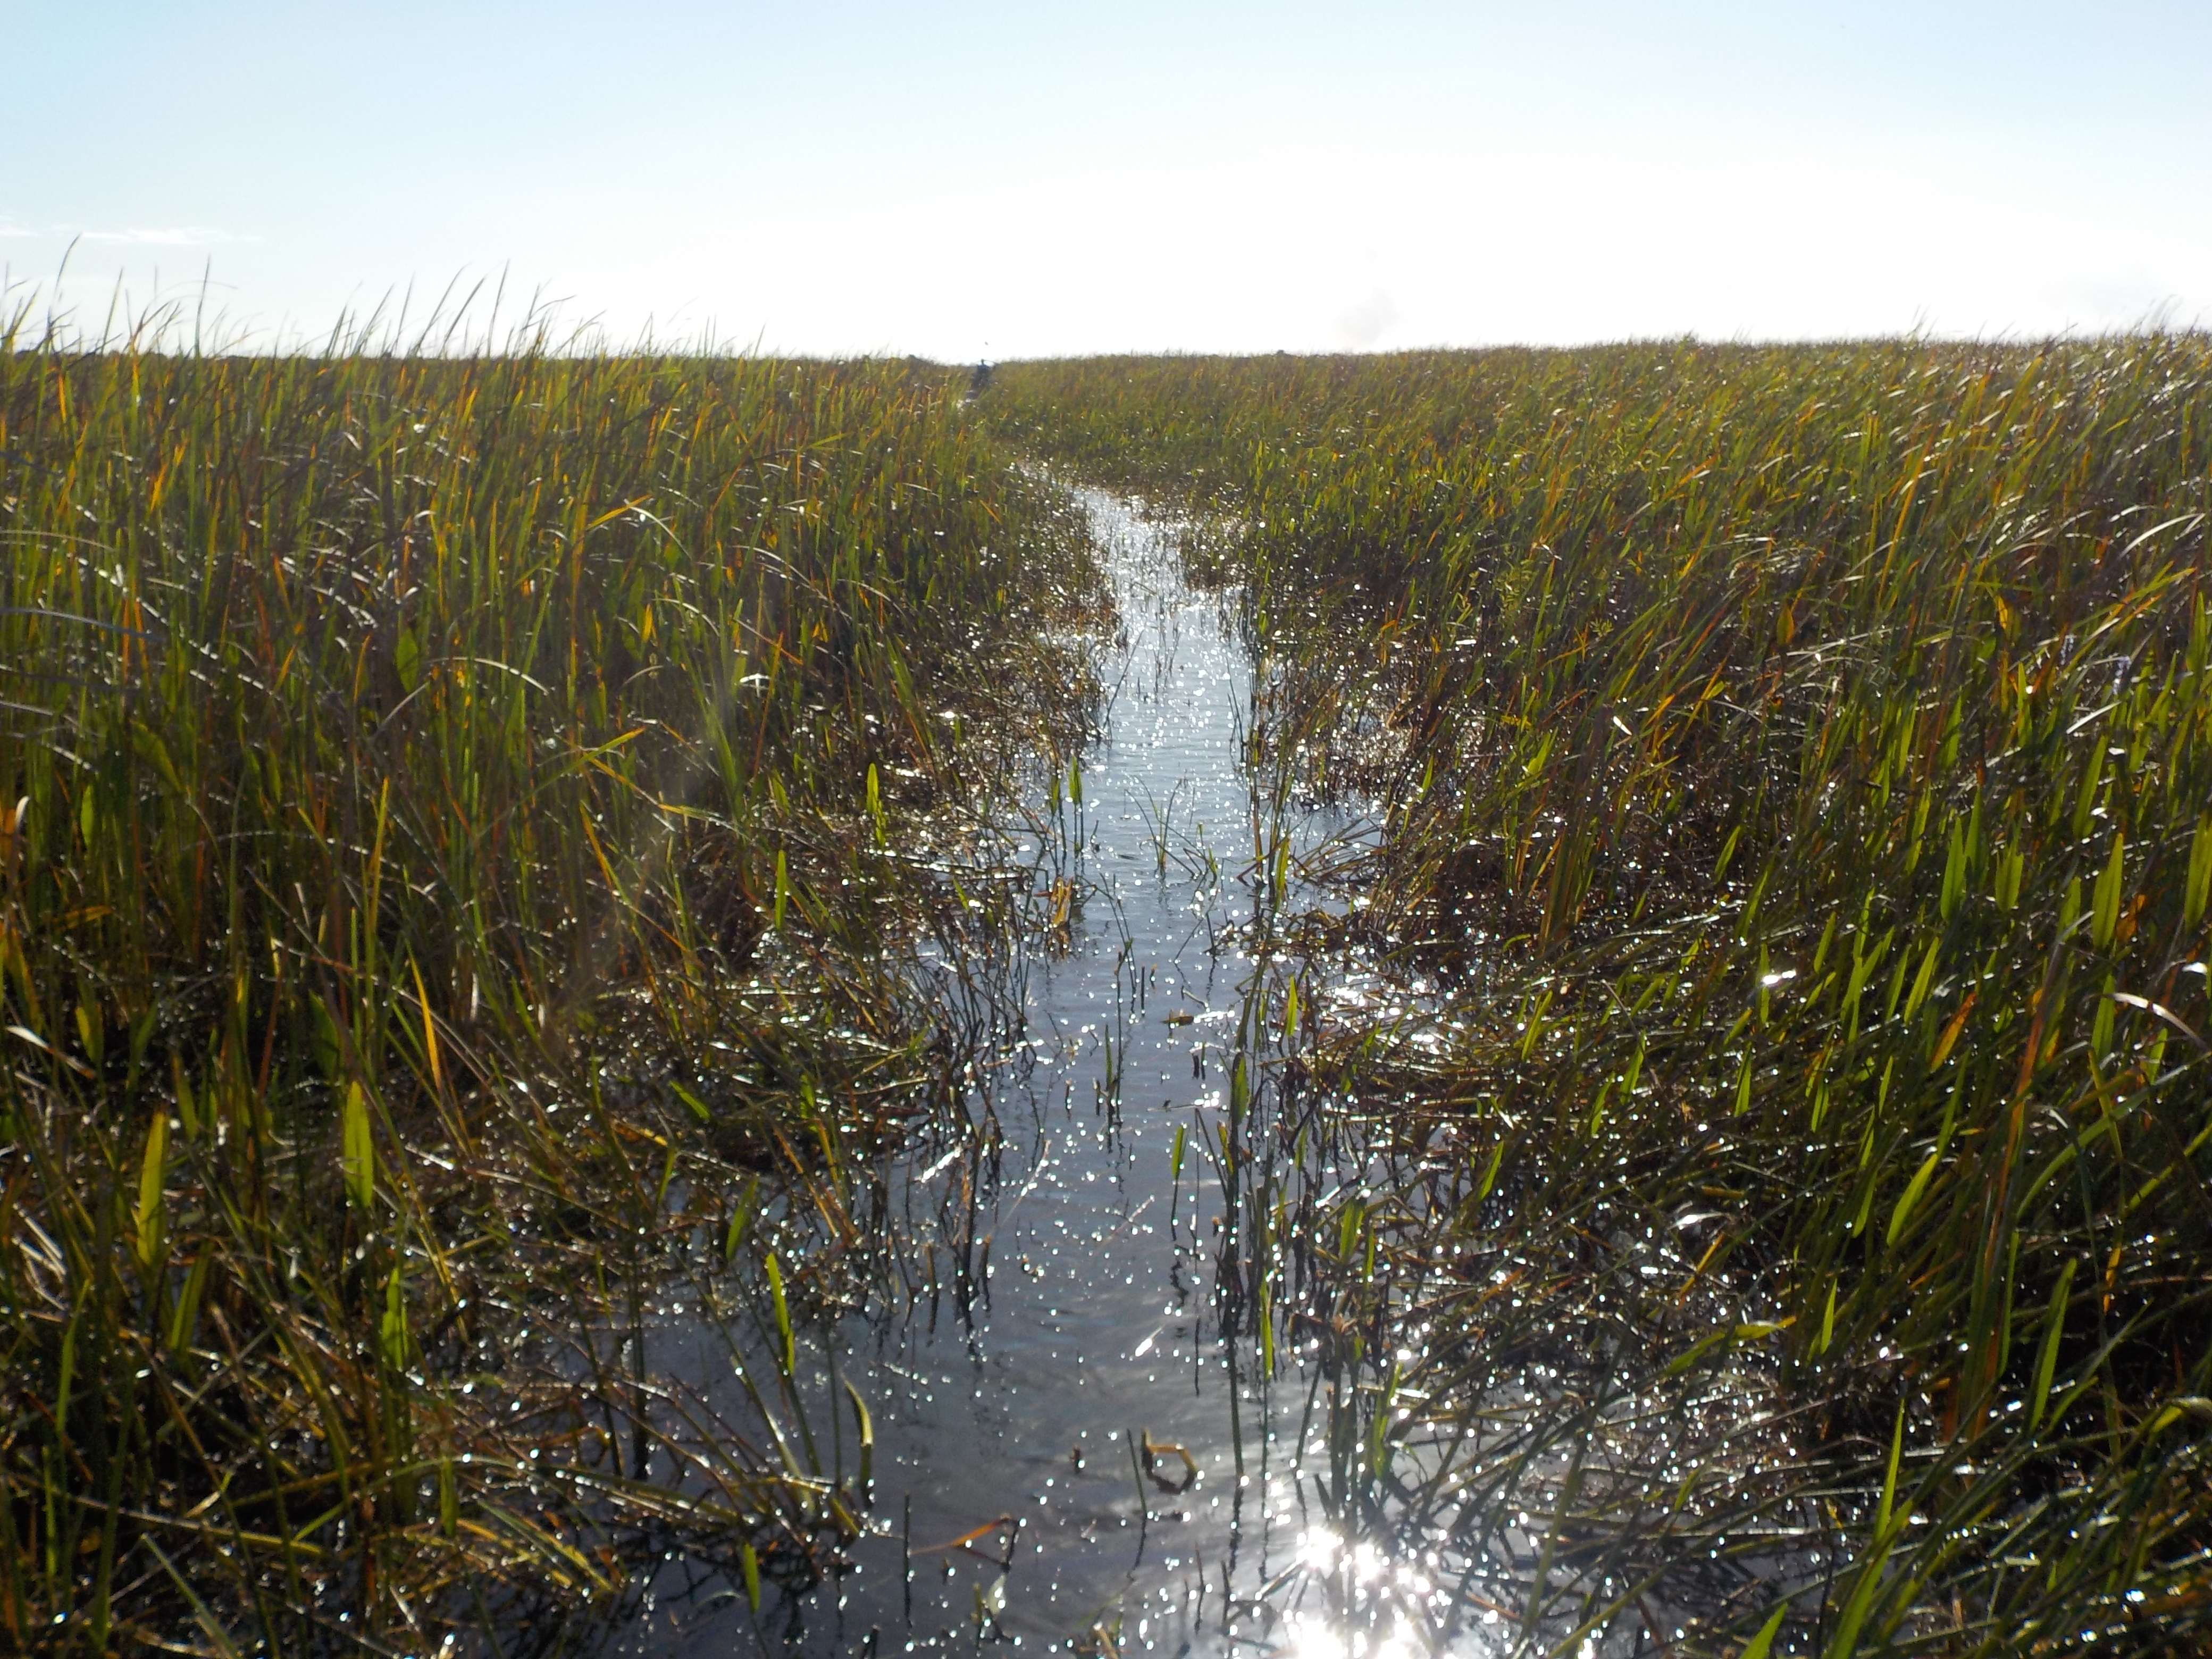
point(1378, 1607)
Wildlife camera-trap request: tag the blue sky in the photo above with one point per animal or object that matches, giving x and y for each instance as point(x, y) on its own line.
point(1036, 178)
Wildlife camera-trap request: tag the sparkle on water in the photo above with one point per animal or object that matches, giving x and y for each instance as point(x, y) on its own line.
point(1068, 1452)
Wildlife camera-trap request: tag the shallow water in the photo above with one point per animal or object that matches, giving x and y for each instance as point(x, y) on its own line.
point(1058, 1302)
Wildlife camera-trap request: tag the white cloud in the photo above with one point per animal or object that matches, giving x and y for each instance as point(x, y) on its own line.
point(137, 236)
point(167, 236)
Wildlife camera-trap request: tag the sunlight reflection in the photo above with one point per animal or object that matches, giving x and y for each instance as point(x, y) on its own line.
point(1312, 1636)
point(1377, 1607)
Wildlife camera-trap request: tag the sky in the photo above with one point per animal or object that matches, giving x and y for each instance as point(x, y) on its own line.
point(963, 181)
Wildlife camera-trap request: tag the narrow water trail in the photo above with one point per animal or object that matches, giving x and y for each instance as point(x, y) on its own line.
point(1080, 1436)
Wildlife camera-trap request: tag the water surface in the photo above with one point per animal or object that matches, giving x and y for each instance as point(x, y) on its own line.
point(1057, 1311)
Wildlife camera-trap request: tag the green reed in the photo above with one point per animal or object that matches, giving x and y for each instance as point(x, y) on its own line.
point(1797, 771)
point(458, 813)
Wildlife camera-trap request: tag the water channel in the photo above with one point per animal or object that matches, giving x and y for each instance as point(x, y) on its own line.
point(1081, 1440)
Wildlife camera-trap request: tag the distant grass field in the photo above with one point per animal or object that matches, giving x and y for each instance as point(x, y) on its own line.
point(1797, 766)
point(456, 821)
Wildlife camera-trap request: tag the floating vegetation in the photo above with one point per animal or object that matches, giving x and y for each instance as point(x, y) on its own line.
point(1788, 1058)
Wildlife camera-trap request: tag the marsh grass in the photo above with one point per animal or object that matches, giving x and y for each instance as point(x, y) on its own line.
point(463, 816)
point(1797, 773)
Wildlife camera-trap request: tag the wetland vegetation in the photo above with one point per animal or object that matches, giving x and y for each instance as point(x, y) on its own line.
point(465, 817)
point(1620, 981)
point(1795, 775)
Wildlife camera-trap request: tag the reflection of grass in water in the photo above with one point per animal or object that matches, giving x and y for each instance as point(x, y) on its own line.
point(403, 762)
point(1797, 759)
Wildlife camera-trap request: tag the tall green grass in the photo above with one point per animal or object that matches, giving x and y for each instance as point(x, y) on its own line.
point(1796, 772)
point(460, 817)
